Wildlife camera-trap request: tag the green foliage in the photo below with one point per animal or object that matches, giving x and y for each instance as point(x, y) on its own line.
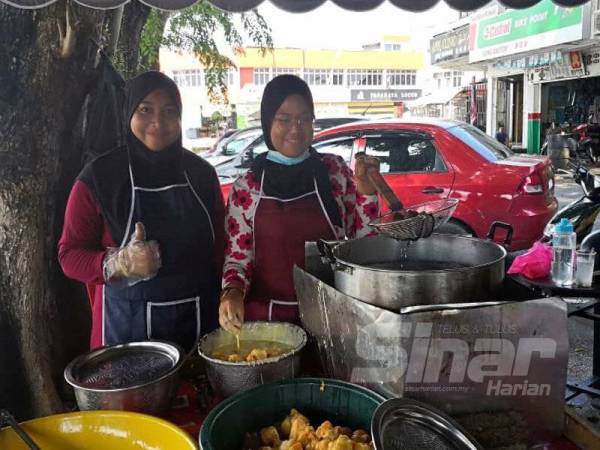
point(151, 39)
point(193, 30)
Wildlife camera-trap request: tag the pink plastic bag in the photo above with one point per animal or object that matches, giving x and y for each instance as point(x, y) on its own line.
point(536, 263)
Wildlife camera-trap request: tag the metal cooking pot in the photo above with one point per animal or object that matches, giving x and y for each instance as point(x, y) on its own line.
point(228, 378)
point(395, 274)
point(137, 376)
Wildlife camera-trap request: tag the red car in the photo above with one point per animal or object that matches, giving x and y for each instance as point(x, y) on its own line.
point(425, 160)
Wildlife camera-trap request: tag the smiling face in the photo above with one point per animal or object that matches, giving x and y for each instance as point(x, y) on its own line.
point(155, 121)
point(292, 129)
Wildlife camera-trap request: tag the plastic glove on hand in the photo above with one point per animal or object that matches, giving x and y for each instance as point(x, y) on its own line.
point(141, 258)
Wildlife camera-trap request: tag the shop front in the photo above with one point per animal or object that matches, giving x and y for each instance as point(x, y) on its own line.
point(514, 45)
point(569, 87)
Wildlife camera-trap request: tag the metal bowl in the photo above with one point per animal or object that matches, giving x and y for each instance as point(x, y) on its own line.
point(137, 376)
point(228, 378)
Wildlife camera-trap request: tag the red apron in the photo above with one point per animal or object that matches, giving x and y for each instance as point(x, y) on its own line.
point(281, 228)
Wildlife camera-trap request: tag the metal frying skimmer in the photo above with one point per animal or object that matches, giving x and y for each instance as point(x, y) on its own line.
point(402, 224)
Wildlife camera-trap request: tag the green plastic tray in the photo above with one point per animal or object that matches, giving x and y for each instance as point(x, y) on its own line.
point(319, 399)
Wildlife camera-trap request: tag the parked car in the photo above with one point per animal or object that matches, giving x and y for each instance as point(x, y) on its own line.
point(229, 148)
point(425, 160)
point(323, 123)
point(221, 140)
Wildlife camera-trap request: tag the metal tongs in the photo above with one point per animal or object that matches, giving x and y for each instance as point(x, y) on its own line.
point(6, 417)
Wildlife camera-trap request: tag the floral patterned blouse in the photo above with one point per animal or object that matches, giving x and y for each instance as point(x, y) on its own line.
point(356, 211)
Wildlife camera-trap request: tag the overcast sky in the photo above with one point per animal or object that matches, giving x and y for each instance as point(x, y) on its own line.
point(330, 26)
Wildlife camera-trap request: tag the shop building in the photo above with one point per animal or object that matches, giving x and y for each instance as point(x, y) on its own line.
point(527, 49)
point(377, 80)
point(539, 65)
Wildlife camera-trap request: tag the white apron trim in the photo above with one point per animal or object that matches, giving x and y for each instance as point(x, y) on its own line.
point(266, 197)
point(323, 208)
point(128, 227)
point(160, 189)
point(150, 305)
point(189, 184)
point(278, 302)
point(103, 316)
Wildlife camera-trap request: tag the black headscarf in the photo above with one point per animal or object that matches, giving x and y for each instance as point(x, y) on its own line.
point(152, 168)
point(286, 182)
point(275, 93)
point(108, 175)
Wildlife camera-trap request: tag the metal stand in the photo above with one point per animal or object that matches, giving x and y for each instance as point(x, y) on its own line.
point(591, 386)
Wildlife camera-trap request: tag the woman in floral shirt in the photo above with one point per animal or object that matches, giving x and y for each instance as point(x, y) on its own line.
point(290, 196)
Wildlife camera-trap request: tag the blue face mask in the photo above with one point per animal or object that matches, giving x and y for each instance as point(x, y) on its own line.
point(280, 158)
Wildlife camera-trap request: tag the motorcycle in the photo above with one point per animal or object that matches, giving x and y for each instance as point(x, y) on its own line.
point(583, 212)
point(589, 141)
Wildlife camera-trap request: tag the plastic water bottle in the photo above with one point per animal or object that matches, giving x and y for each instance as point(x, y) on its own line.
point(564, 242)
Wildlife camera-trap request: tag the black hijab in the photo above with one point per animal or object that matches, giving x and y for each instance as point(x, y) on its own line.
point(286, 182)
point(108, 175)
point(152, 168)
point(275, 93)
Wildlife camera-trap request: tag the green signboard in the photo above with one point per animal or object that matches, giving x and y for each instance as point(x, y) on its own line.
point(516, 31)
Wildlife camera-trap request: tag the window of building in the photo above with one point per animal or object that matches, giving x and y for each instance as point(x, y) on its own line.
point(337, 77)
point(261, 76)
point(284, 71)
point(188, 78)
point(402, 77)
point(392, 47)
point(457, 78)
point(365, 77)
point(228, 78)
point(316, 77)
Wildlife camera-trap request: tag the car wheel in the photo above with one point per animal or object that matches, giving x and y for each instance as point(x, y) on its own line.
point(453, 227)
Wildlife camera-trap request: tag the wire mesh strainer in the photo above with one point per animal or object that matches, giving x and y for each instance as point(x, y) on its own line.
point(125, 370)
point(123, 366)
point(405, 424)
point(423, 219)
point(411, 223)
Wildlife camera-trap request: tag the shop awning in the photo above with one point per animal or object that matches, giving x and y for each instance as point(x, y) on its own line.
point(297, 5)
point(439, 97)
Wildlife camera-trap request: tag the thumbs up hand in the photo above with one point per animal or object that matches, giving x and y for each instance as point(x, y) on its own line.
point(141, 258)
point(140, 232)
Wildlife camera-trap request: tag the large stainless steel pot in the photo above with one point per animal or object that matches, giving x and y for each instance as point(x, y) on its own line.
point(228, 378)
point(438, 270)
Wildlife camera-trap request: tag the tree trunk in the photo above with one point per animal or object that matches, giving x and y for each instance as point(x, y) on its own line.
point(127, 54)
point(44, 318)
